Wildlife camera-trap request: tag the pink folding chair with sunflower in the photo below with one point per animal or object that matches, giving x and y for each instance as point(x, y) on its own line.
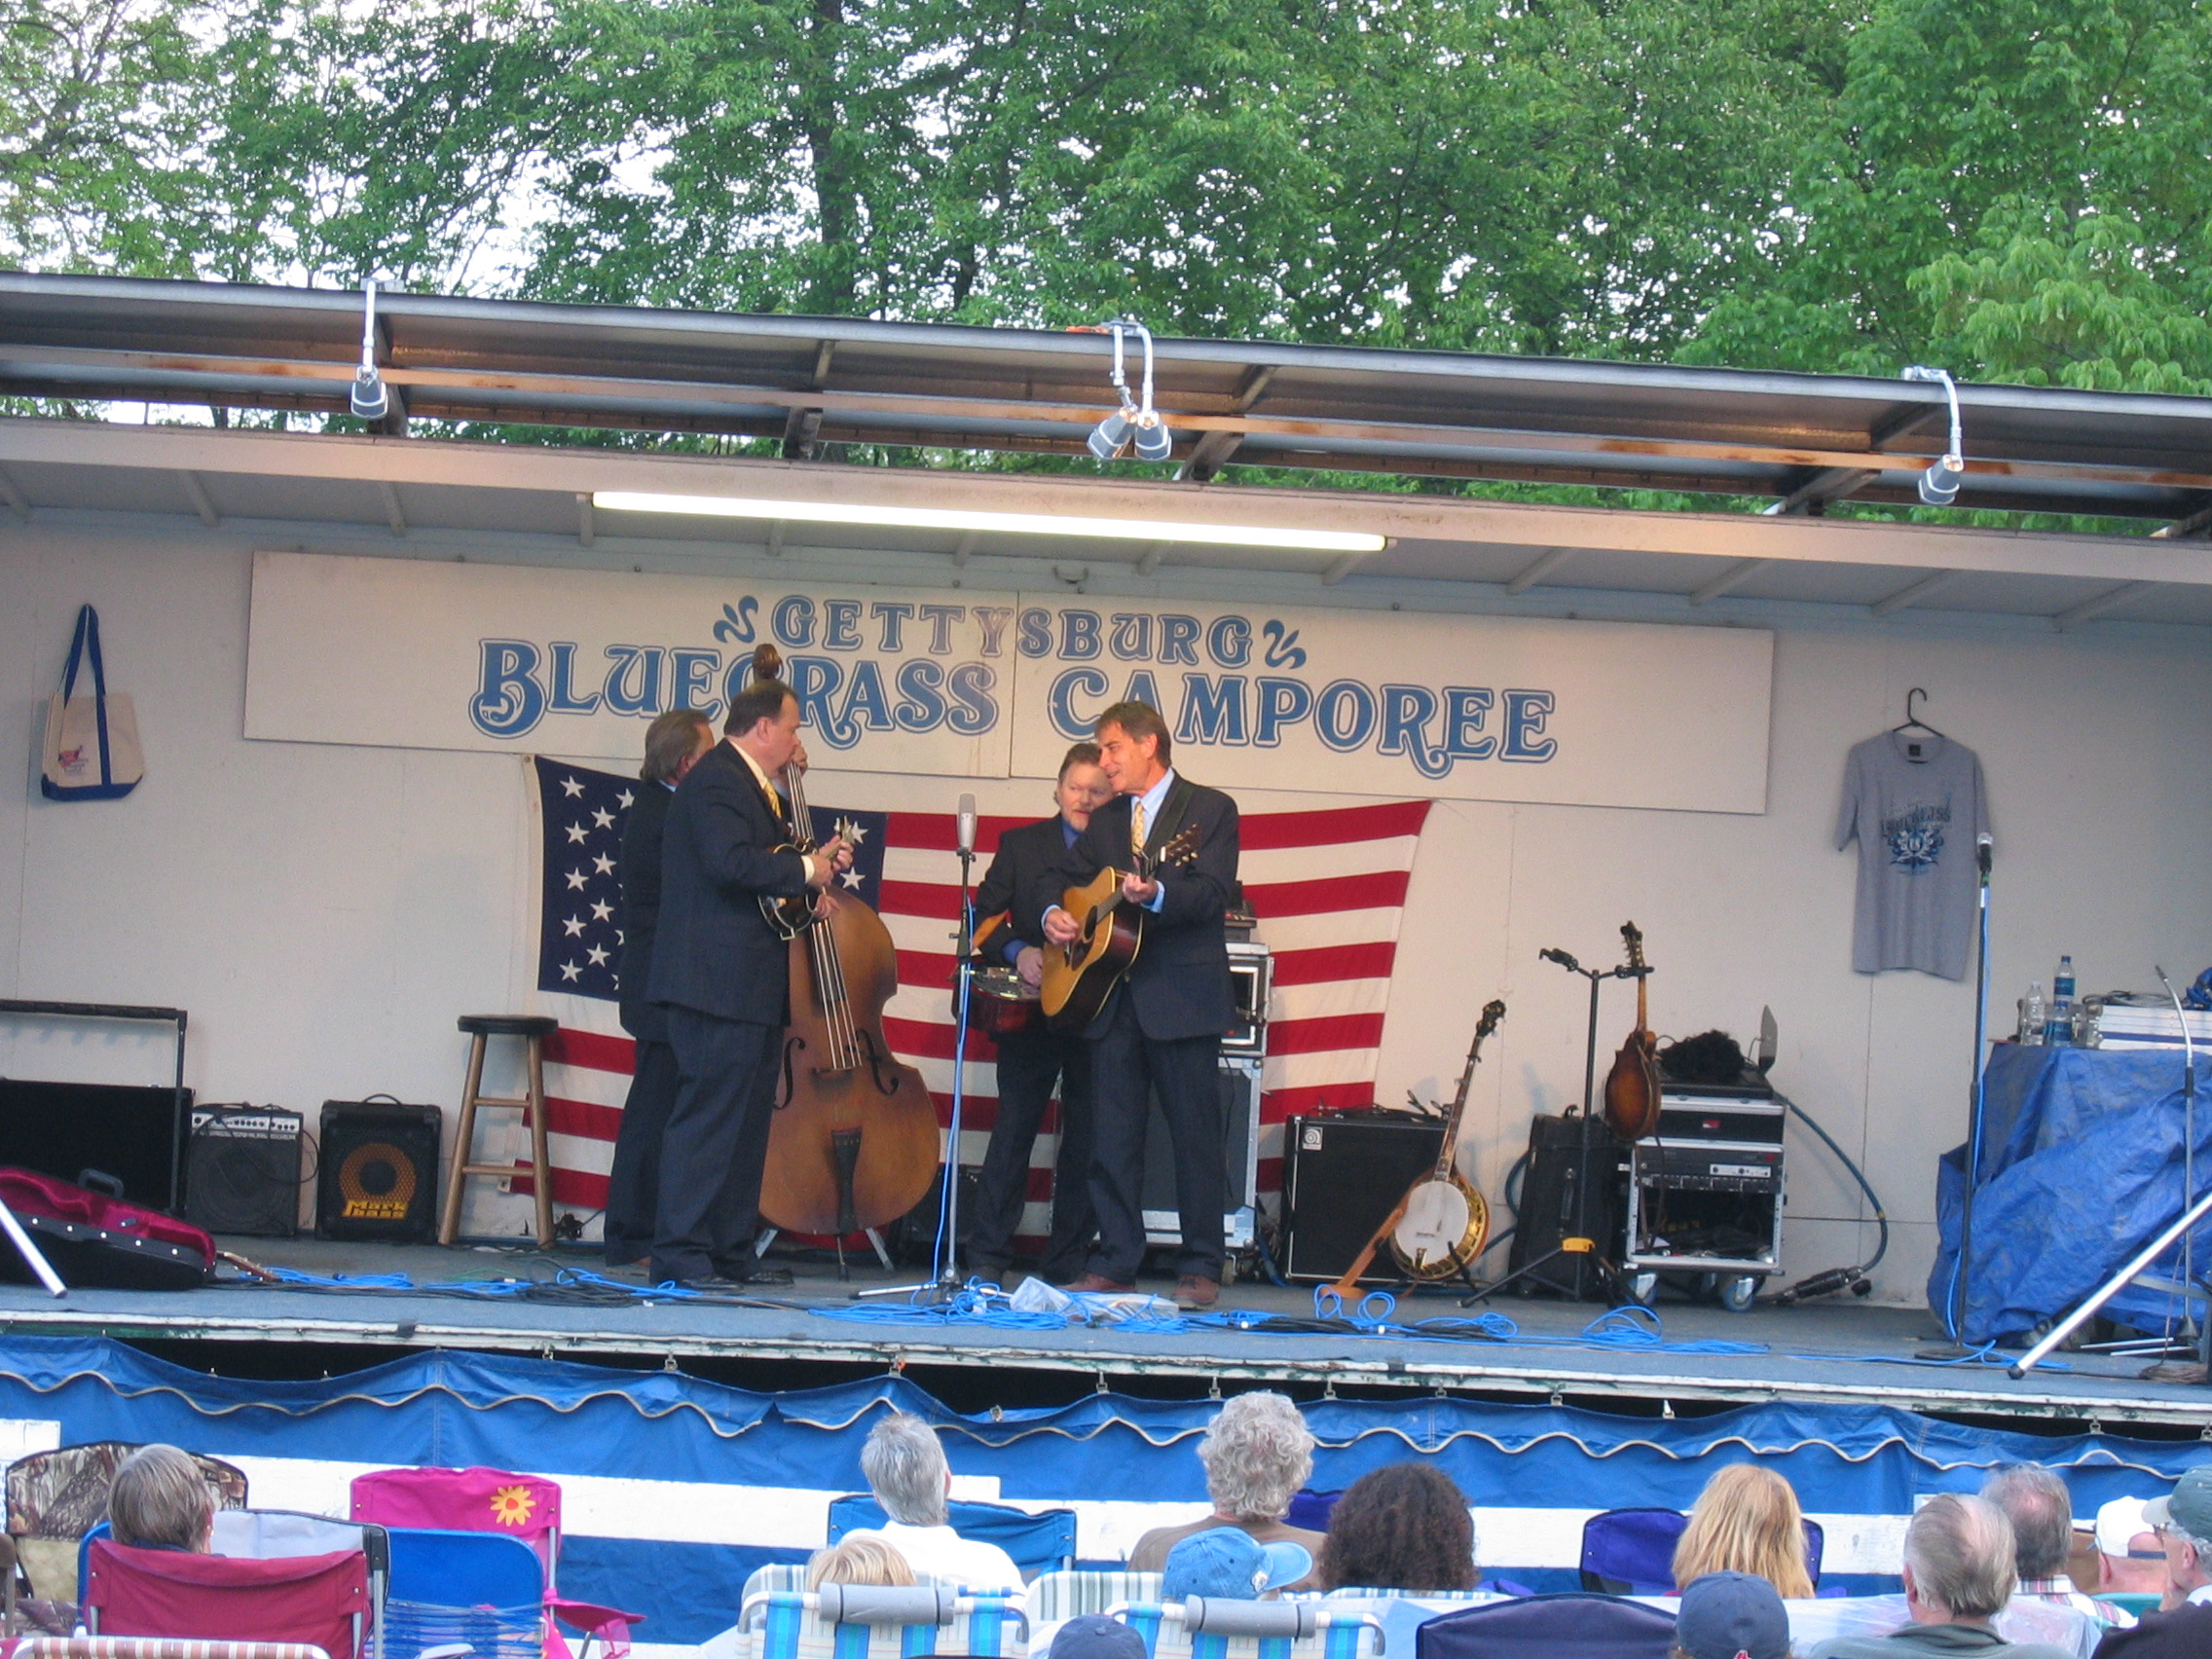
point(526, 1508)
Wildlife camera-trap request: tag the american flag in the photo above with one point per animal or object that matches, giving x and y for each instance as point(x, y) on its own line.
point(1328, 886)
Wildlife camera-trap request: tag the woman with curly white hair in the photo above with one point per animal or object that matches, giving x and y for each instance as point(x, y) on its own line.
point(1257, 1452)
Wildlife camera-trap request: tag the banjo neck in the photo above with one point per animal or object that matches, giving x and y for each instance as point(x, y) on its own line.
point(1449, 1151)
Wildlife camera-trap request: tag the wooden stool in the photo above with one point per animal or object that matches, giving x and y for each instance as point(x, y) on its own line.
point(533, 1029)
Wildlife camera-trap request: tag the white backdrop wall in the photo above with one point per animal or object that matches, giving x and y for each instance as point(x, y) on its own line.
point(325, 911)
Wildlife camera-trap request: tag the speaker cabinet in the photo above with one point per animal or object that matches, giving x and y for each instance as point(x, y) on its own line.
point(1340, 1178)
point(380, 1171)
point(241, 1171)
point(1550, 1195)
point(63, 1128)
point(1240, 1081)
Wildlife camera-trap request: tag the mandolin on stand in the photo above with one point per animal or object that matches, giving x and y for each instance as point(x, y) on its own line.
point(1632, 1087)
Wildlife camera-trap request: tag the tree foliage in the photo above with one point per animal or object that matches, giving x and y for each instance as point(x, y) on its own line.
point(2017, 189)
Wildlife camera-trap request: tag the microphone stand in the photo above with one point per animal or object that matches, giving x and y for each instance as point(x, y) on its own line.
point(1581, 1245)
point(944, 1279)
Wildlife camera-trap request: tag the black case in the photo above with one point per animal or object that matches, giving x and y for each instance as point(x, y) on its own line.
point(379, 1171)
point(1342, 1174)
point(1547, 1211)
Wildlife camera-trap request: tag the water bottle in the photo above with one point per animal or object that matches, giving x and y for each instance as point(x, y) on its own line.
point(2059, 1031)
point(2032, 1014)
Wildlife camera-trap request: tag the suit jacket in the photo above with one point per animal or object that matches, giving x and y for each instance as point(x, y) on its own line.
point(715, 951)
point(1025, 859)
point(1179, 984)
point(637, 868)
point(2186, 1633)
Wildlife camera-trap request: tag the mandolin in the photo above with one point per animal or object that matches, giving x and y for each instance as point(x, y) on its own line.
point(1632, 1087)
point(1444, 1222)
point(1440, 1226)
point(1080, 975)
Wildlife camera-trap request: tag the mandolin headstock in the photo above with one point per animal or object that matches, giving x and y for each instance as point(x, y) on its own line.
point(1631, 935)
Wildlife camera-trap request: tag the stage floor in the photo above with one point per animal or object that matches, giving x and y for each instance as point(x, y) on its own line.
point(1833, 1353)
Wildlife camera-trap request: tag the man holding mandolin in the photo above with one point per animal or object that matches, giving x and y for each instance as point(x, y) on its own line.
point(1160, 1027)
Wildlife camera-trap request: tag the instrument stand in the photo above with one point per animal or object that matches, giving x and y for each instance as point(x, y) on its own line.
point(1601, 1267)
point(2194, 1212)
point(947, 1282)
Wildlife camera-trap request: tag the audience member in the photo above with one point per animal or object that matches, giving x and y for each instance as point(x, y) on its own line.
point(2130, 1559)
point(861, 1559)
point(2183, 1629)
point(1095, 1636)
point(1257, 1452)
point(1958, 1574)
point(1404, 1526)
point(2041, 1509)
point(1229, 1564)
point(907, 1470)
point(161, 1502)
point(1731, 1615)
point(1746, 1520)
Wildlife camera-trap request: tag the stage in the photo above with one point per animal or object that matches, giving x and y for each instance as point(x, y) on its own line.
point(1833, 1353)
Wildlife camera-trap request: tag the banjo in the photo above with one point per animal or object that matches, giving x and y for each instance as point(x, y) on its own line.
point(1444, 1222)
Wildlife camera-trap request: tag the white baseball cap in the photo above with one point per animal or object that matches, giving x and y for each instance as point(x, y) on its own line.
point(2118, 1523)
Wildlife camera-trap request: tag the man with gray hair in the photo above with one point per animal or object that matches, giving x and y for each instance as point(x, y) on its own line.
point(2183, 1630)
point(2041, 1508)
point(1257, 1452)
point(907, 1471)
point(1958, 1576)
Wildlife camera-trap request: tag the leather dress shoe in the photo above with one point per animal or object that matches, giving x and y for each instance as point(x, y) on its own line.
point(1100, 1284)
point(1195, 1293)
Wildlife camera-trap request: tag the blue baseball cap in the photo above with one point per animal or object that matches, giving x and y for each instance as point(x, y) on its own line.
point(1732, 1616)
point(1095, 1636)
point(1228, 1563)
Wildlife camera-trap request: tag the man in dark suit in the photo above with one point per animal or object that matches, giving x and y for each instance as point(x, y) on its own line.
point(674, 743)
point(723, 974)
point(1161, 1028)
point(1031, 1062)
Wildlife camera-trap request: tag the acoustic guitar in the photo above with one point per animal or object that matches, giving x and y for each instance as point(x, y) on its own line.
point(1440, 1226)
point(1632, 1087)
point(1082, 973)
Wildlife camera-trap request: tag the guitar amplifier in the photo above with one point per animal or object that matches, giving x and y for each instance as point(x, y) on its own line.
point(1341, 1176)
point(241, 1171)
point(1240, 1081)
point(1551, 1196)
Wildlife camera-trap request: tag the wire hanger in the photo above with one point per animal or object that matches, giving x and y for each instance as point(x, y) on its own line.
point(1912, 720)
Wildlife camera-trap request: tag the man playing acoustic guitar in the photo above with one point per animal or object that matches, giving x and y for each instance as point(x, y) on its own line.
point(1162, 1028)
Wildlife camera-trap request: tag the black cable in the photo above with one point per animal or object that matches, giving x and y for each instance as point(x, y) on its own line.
point(1853, 1278)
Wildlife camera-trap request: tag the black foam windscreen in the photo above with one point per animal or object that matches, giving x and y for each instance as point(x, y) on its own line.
point(1342, 1178)
point(379, 1176)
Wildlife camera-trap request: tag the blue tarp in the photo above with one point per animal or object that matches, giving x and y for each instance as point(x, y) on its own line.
point(741, 1478)
point(2081, 1166)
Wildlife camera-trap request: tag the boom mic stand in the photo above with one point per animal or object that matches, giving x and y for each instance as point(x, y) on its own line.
point(945, 1280)
point(1955, 1306)
point(1581, 1246)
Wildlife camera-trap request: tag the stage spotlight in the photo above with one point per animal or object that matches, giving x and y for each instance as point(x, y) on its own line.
point(1939, 482)
point(1154, 441)
point(371, 402)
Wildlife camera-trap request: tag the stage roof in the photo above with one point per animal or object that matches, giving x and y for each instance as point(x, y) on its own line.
point(952, 391)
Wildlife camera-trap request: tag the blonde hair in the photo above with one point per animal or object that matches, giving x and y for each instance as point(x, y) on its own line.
point(861, 1559)
point(1746, 1520)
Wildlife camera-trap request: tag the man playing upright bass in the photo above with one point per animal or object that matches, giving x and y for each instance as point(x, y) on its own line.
point(1161, 1028)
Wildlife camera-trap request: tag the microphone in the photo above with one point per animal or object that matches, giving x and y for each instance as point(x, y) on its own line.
point(1563, 959)
point(967, 825)
point(1981, 851)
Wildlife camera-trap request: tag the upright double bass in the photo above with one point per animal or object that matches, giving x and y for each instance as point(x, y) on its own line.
point(853, 1141)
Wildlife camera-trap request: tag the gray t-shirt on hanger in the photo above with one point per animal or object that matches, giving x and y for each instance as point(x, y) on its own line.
point(1917, 821)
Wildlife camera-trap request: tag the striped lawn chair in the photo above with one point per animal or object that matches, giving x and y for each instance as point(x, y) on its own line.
point(1054, 1598)
point(871, 1621)
point(1202, 1628)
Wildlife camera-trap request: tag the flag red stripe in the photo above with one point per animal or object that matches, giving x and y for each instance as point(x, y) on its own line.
point(1374, 890)
point(933, 901)
point(569, 1047)
point(1270, 832)
point(940, 832)
point(584, 1119)
point(1277, 1105)
point(573, 1187)
point(1326, 962)
point(918, 1039)
point(1329, 1031)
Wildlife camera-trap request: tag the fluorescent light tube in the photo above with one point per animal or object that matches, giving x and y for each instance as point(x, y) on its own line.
point(1015, 524)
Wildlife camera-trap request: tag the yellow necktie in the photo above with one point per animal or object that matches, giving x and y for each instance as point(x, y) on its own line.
point(1136, 824)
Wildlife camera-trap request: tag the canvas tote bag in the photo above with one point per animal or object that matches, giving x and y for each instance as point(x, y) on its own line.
point(92, 740)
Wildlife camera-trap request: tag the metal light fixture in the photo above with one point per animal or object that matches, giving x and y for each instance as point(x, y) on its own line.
point(371, 401)
point(1137, 415)
point(1939, 482)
